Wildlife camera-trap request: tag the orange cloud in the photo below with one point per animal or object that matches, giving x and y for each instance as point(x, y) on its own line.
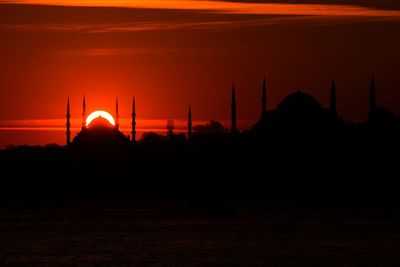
point(227, 7)
point(119, 27)
point(148, 26)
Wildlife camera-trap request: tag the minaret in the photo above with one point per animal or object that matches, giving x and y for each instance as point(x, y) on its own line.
point(372, 100)
point(84, 114)
point(116, 115)
point(133, 120)
point(332, 102)
point(68, 133)
point(264, 100)
point(189, 132)
point(233, 110)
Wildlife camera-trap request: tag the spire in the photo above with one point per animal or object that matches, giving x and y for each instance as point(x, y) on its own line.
point(68, 133)
point(264, 99)
point(133, 120)
point(332, 102)
point(116, 115)
point(233, 111)
point(84, 113)
point(372, 99)
point(189, 133)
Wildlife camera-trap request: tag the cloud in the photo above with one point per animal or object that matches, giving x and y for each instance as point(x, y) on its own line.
point(225, 7)
point(88, 27)
point(204, 15)
point(218, 24)
point(95, 52)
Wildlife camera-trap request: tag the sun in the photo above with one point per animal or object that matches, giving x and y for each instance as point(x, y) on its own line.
point(100, 113)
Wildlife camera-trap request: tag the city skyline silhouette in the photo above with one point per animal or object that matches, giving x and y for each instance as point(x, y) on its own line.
point(199, 133)
point(299, 102)
point(372, 106)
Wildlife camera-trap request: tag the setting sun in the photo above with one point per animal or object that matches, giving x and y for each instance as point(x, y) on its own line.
point(100, 113)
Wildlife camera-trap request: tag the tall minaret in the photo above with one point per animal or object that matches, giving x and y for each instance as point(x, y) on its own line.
point(233, 111)
point(189, 132)
point(84, 113)
point(116, 115)
point(68, 133)
point(372, 100)
point(264, 100)
point(332, 102)
point(133, 120)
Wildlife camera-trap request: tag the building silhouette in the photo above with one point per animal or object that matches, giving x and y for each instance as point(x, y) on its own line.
point(372, 100)
point(68, 124)
point(332, 100)
point(234, 129)
point(133, 123)
point(379, 117)
point(100, 132)
point(298, 110)
point(116, 114)
point(264, 100)
point(84, 113)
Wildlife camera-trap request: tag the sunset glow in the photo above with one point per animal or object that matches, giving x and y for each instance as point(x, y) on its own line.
point(227, 7)
point(100, 113)
point(169, 53)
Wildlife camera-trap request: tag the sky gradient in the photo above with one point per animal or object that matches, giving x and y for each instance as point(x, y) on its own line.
point(170, 53)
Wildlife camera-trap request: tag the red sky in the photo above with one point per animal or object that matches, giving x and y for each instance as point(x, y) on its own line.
point(168, 53)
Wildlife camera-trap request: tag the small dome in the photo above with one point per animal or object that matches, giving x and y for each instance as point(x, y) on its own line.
point(384, 114)
point(383, 117)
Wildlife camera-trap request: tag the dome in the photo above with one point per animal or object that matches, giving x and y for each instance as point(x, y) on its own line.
point(384, 114)
point(100, 133)
point(299, 102)
point(100, 137)
point(383, 117)
point(100, 123)
point(298, 110)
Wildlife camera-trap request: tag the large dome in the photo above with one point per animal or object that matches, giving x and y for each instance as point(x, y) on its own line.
point(100, 123)
point(299, 102)
point(298, 110)
point(99, 133)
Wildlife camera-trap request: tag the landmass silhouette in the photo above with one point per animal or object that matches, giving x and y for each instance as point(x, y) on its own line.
point(301, 187)
point(299, 150)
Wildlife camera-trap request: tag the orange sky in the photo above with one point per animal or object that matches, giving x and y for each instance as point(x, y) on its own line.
point(227, 7)
point(170, 53)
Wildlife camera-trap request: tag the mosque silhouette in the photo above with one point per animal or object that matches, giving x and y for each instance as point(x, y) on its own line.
point(100, 130)
point(297, 111)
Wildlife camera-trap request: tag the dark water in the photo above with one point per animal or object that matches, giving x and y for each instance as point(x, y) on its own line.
point(256, 235)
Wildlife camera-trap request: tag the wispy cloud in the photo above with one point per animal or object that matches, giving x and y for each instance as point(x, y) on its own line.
point(94, 52)
point(87, 27)
point(121, 27)
point(220, 15)
point(226, 7)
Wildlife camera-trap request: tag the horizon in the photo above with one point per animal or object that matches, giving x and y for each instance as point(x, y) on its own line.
point(43, 126)
point(52, 131)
